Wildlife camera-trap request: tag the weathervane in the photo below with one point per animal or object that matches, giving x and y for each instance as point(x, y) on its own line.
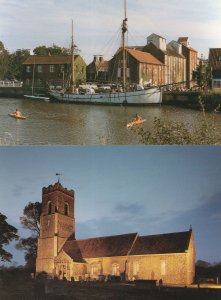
point(58, 174)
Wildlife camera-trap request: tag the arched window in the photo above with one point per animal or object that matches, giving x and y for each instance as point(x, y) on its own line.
point(94, 269)
point(136, 268)
point(66, 209)
point(49, 207)
point(115, 269)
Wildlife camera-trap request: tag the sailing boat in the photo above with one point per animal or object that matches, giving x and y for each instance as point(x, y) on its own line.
point(142, 96)
point(32, 96)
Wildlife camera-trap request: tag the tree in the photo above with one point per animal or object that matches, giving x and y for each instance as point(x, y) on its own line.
point(16, 60)
point(31, 221)
point(7, 234)
point(203, 74)
point(4, 62)
point(52, 50)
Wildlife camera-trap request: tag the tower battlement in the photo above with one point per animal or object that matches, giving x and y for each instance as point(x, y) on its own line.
point(57, 187)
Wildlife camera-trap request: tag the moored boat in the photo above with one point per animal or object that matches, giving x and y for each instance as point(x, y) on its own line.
point(34, 97)
point(127, 96)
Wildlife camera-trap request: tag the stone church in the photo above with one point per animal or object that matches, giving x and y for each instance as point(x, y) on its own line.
point(170, 256)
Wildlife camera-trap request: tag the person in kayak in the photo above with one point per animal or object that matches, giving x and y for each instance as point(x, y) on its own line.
point(17, 113)
point(137, 118)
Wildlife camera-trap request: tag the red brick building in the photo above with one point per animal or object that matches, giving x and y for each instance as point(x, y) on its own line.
point(142, 68)
point(52, 70)
point(191, 56)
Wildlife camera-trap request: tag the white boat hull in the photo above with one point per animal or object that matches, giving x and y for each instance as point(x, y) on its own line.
point(149, 96)
point(37, 97)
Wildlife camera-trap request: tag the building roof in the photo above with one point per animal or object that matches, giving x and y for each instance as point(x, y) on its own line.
point(171, 51)
point(127, 244)
point(144, 57)
point(215, 58)
point(177, 242)
point(117, 245)
point(49, 60)
point(157, 35)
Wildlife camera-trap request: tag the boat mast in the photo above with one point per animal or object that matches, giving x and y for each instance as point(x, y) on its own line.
point(124, 30)
point(72, 58)
point(33, 78)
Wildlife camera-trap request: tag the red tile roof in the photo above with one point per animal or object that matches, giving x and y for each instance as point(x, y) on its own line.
point(177, 242)
point(127, 244)
point(118, 245)
point(144, 57)
point(48, 60)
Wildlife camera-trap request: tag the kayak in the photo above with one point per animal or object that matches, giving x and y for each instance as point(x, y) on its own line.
point(134, 123)
point(13, 115)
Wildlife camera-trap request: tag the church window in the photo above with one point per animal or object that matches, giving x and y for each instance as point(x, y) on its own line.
point(115, 269)
point(49, 207)
point(94, 269)
point(136, 268)
point(163, 267)
point(66, 209)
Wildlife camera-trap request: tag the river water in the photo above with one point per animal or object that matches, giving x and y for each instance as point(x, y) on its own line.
point(75, 124)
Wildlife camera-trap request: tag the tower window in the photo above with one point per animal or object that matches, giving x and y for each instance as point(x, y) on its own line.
point(49, 207)
point(66, 209)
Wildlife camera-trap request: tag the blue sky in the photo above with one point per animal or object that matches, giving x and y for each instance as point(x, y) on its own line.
point(122, 189)
point(28, 23)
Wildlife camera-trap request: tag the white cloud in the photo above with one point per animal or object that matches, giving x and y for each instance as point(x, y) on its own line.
point(28, 23)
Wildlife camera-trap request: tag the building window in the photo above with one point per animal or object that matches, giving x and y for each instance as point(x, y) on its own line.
point(219, 58)
point(39, 82)
point(216, 83)
point(52, 68)
point(28, 69)
point(66, 209)
point(62, 68)
point(39, 68)
point(115, 269)
point(136, 268)
point(94, 269)
point(163, 267)
point(28, 81)
point(49, 207)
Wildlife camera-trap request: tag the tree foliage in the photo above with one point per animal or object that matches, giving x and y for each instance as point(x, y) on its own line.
point(7, 234)
point(4, 62)
point(52, 50)
point(16, 60)
point(31, 217)
point(29, 245)
point(31, 221)
point(203, 74)
point(179, 133)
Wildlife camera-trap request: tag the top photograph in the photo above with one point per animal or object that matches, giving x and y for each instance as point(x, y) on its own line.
point(121, 72)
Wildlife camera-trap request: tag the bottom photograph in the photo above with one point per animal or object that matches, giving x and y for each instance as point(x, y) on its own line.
point(113, 222)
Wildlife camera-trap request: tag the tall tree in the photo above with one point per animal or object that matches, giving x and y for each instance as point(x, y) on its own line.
point(203, 74)
point(31, 221)
point(4, 62)
point(16, 60)
point(7, 234)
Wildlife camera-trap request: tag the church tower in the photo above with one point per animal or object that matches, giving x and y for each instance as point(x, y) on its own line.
point(57, 224)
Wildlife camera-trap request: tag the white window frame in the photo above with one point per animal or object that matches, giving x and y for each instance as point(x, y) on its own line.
point(52, 68)
point(39, 68)
point(28, 69)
